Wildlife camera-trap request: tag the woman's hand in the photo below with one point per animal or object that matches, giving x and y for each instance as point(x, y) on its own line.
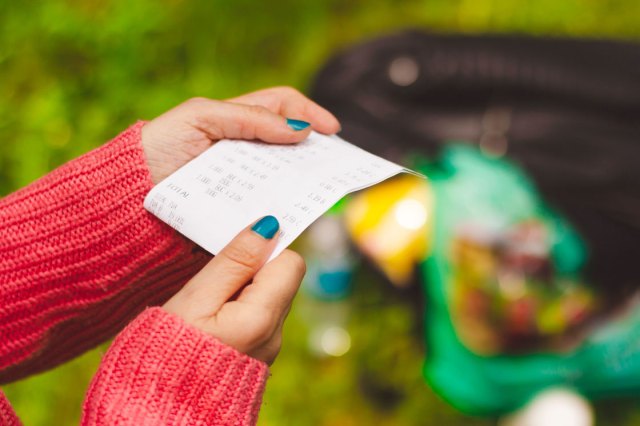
point(180, 134)
point(239, 299)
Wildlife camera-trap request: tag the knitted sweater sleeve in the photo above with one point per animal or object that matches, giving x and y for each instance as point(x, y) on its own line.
point(161, 371)
point(80, 257)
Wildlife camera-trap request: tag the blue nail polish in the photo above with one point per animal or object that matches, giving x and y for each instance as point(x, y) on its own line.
point(266, 227)
point(297, 125)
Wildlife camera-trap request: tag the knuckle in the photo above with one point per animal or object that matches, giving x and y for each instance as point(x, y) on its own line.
point(253, 110)
point(197, 101)
point(288, 91)
point(242, 256)
point(261, 328)
point(247, 127)
point(198, 112)
point(198, 120)
point(296, 261)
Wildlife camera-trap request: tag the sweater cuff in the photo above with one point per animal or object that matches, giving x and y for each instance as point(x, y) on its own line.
point(161, 370)
point(80, 257)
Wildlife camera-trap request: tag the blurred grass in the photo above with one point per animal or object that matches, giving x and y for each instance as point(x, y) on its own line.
point(74, 73)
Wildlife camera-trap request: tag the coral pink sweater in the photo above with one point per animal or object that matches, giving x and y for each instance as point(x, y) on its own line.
point(79, 259)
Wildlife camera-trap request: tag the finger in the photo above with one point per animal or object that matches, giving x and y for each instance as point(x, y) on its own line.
point(289, 102)
point(235, 266)
point(270, 350)
point(256, 332)
point(227, 120)
point(276, 284)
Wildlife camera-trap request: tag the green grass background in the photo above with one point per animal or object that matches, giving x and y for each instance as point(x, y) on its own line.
point(74, 73)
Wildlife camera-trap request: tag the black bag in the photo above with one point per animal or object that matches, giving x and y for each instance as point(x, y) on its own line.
point(566, 110)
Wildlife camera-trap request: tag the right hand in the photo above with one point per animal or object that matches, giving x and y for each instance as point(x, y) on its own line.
point(239, 299)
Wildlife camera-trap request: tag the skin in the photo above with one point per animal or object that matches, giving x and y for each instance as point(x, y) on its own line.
point(236, 297)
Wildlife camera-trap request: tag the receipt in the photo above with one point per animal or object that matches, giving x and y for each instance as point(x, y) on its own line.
point(234, 183)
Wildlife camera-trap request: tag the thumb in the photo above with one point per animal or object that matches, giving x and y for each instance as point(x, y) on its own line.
point(233, 268)
point(227, 120)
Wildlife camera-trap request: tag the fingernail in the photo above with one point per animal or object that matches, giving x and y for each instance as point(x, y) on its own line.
point(297, 124)
point(266, 227)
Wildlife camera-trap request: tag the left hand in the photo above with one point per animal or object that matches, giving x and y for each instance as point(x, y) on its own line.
point(240, 300)
point(182, 133)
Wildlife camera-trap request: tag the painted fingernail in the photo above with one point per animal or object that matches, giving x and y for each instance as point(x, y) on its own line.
point(266, 227)
point(297, 124)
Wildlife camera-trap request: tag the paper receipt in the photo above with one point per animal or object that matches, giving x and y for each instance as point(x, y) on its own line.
point(234, 183)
